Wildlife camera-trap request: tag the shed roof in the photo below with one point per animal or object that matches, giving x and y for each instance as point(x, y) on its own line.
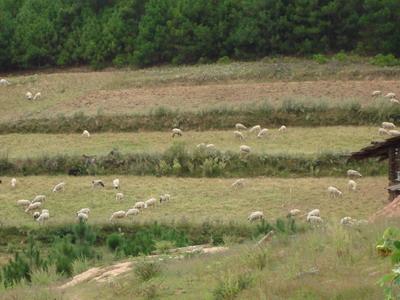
point(376, 149)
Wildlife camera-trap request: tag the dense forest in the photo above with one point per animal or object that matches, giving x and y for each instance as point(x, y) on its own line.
point(39, 33)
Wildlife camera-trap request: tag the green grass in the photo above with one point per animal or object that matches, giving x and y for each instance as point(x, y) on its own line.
point(194, 200)
point(296, 141)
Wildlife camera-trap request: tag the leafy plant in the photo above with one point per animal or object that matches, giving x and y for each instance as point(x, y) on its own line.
point(146, 270)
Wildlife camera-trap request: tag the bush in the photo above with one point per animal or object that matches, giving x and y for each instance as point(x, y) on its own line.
point(115, 241)
point(320, 58)
point(230, 286)
point(147, 270)
point(385, 60)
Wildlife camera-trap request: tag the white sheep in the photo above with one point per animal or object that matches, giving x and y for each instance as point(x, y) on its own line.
point(119, 196)
point(132, 212)
point(36, 215)
point(376, 93)
point(347, 221)
point(210, 146)
point(394, 132)
point(23, 202)
point(82, 217)
point(382, 131)
point(240, 126)
point(201, 145)
point(390, 95)
point(33, 206)
point(150, 202)
point(255, 128)
point(263, 132)
point(117, 215)
point(256, 215)
point(140, 205)
point(176, 131)
point(238, 135)
point(394, 101)
point(238, 183)
point(13, 182)
point(315, 212)
point(352, 185)
point(98, 183)
point(294, 212)
point(39, 198)
point(85, 211)
point(314, 219)
point(4, 82)
point(164, 198)
point(44, 216)
point(86, 133)
point(334, 192)
point(244, 149)
point(353, 174)
point(115, 183)
point(282, 128)
point(37, 96)
point(388, 125)
point(29, 95)
point(59, 187)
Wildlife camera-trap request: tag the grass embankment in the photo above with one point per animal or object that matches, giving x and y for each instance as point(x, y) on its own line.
point(196, 200)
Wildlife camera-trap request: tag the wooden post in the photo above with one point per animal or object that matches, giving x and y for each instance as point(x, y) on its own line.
point(393, 156)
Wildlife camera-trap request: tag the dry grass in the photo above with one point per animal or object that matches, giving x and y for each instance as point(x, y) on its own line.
point(296, 140)
point(195, 200)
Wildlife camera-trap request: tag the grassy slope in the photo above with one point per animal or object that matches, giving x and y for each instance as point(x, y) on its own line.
point(192, 199)
point(296, 140)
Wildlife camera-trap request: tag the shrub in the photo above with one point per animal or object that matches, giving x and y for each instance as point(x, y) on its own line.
point(115, 241)
point(224, 60)
point(164, 246)
point(230, 286)
point(320, 58)
point(147, 270)
point(385, 60)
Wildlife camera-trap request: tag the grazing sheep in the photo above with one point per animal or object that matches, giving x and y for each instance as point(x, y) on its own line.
point(82, 217)
point(238, 183)
point(29, 95)
point(150, 202)
point(98, 183)
point(176, 131)
point(257, 215)
point(334, 192)
point(294, 212)
point(33, 206)
point(44, 216)
point(210, 146)
point(314, 212)
point(201, 145)
point(263, 132)
point(119, 196)
point(117, 215)
point(394, 101)
point(132, 212)
point(390, 95)
point(37, 96)
point(388, 125)
point(115, 183)
point(353, 174)
point(347, 221)
point(140, 205)
point(376, 93)
point(85, 211)
point(245, 149)
point(238, 135)
point(164, 198)
point(39, 198)
point(255, 128)
point(382, 131)
point(23, 202)
point(4, 82)
point(59, 187)
point(394, 132)
point(282, 128)
point(352, 185)
point(13, 182)
point(240, 126)
point(314, 219)
point(86, 133)
point(36, 215)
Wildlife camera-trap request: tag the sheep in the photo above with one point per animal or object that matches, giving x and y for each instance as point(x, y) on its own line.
point(240, 126)
point(117, 215)
point(176, 131)
point(382, 131)
point(388, 125)
point(23, 202)
point(314, 219)
point(39, 198)
point(238, 135)
point(150, 202)
point(347, 221)
point(132, 212)
point(37, 96)
point(352, 185)
point(36, 215)
point(294, 212)
point(119, 196)
point(334, 192)
point(201, 145)
point(254, 128)
point(394, 101)
point(376, 93)
point(282, 128)
point(82, 217)
point(353, 174)
point(245, 149)
point(97, 183)
point(394, 132)
point(263, 132)
point(256, 215)
point(315, 212)
point(33, 206)
point(86, 133)
point(390, 95)
point(29, 95)
point(13, 182)
point(238, 183)
point(85, 211)
point(140, 205)
point(115, 183)
point(164, 198)
point(210, 146)
point(44, 216)
point(59, 187)
point(4, 82)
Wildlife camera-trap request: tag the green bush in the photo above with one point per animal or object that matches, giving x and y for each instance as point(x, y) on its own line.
point(115, 241)
point(229, 286)
point(385, 60)
point(320, 58)
point(147, 270)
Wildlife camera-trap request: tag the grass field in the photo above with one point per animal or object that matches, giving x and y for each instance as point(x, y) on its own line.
point(196, 200)
point(297, 140)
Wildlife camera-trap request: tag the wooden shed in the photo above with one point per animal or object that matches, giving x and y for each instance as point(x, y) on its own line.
point(387, 149)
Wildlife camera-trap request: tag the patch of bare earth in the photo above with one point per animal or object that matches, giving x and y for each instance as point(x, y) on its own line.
point(192, 97)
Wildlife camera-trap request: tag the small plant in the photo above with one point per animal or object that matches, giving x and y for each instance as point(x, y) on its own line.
point(320, 58)
point(114, 241)
point(146, 270)
point(224, 60)
point(259, 260)
point(229, 287)
point(163, 247)
point(385, 60)
point(149, 290)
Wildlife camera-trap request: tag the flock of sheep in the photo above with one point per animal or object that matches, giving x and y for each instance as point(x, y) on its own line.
point(391, 96)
